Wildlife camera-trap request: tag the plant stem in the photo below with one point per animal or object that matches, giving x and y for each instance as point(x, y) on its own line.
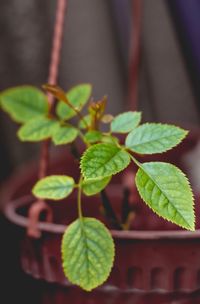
point(135, 161)
point(125, 204)
point(110, 214)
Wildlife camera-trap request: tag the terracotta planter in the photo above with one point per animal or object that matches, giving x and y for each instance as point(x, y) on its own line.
point(155, 262)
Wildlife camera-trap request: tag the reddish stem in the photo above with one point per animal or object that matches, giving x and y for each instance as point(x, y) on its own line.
point(53, 74)
point(40, 205)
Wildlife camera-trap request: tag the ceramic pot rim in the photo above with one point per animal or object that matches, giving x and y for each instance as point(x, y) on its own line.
point(10, 211)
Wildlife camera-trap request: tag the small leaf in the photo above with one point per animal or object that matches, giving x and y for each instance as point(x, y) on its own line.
point(125, 122)
point(55, 90)
point(24, 103)
point(93, 136)
point(153, 138)
point(94, 186)
point(103, 160)
point(87, 253)
point(37, 129)
point(110, 139)
point(77, 96)
point(64, 135)
point(167, 192)
point(87, 119)
point(54, 187)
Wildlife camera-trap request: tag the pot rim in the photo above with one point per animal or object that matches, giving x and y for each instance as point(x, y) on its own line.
point(20, 220)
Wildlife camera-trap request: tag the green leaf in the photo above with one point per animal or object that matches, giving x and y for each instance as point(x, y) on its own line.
point(125, 122)
point(103, 160)
point(24, 103)
point(78, 97)
point(54, 187)
point(87, 119)
point(167, 192)
point(93, 136)
point(110, 139)
point(37, 129)
point(64, 135)
point(94, 186)
point(87, 253)
point(153, 138)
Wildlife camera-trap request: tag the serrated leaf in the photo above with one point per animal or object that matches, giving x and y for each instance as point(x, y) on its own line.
point(93, 136)
point(64, 134)
point(125, 122)
point(167, 192)
point(37, 129)
point(103, 160)
point(78, 97)
point(54, 187)
point(24, 103)
point(87, 253)
point(153, 138)
point(94, 186)
point(87, 120)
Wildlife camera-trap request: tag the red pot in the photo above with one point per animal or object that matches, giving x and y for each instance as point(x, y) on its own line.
point(155, 262)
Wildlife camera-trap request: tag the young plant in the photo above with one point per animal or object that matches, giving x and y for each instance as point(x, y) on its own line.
point(87, 245)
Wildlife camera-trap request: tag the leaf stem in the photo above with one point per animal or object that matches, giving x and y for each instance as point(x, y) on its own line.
point(135, 160)
point(83, 138)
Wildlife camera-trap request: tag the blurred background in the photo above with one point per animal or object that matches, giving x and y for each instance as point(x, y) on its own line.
point(101, 38)
point(143, 54)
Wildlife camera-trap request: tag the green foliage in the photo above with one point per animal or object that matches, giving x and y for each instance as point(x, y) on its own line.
point(87, 246)
point(94, 186)
point(167, 192)
point(24, 103)
point(54, 187)
point(93, 136)
point(64, 134)
point(110, 139)
point(153, 138)
point(37, 129)
point(87, 120)
point(103, 160)
point(78, 97)
point(87, 253)
point(125, 122)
